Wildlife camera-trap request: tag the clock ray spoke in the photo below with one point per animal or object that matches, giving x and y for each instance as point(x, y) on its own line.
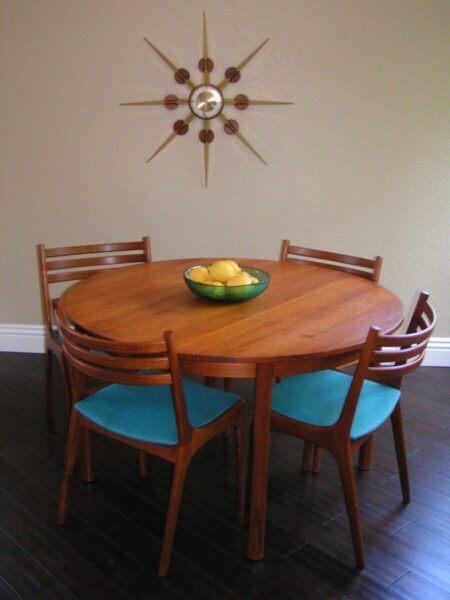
point(170, 138)
point(205, 51)
point(168, 62)
point(153, 102)
point(262, 102)
point(242, 64)
point(206, 151)
point(239, 135)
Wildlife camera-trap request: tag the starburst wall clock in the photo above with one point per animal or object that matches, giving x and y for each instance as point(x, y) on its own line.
point(206, 101)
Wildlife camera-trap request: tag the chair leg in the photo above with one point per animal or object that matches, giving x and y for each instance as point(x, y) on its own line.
point(49, 386)
point(344, 460)
point(365, 454)
point(307, 450)
point(143, 464)
point(87, 470)
point(400, 449)
point(172, 514)
point(318, 453)
point(241, 466)
point(69, 463)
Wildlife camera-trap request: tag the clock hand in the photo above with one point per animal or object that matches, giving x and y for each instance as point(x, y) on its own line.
point(239, 135)
point(241, 65)
point(174, 68)
point(167, 141)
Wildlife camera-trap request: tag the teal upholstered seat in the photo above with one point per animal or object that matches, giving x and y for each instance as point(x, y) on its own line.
point(318, 398)
point(146, 413)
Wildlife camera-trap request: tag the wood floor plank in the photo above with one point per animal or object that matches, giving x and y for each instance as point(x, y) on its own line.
point(26, 575)
point(414, 587)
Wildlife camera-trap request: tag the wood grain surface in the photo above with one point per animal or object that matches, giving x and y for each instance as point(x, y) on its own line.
point(306, 311)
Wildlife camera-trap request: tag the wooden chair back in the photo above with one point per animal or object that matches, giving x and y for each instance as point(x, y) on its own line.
point(73, 263)
point(388, 358)
point(90, 358)
point(355, 265)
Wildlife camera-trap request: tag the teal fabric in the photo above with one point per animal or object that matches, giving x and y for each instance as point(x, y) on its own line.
point(318, 398)
point(146, 413)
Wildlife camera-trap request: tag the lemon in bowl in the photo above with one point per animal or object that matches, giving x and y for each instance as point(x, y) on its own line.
point(226, 281)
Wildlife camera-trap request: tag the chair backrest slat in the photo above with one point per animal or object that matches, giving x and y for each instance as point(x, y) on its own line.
point(354, 265)
point(75, 263)
point(95, 248)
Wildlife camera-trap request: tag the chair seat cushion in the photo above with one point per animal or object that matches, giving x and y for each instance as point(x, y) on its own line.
point(318, 398)
point(146, 413)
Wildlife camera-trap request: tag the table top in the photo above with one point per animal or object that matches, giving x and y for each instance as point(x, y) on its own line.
point(307, 311)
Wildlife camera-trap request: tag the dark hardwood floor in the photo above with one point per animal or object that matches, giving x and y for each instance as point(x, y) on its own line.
point(109, 548)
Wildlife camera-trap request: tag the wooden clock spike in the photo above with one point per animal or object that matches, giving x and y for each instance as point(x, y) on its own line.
point(239, 135)
point(205, 52)
point(273, 102)
point(206, 151)
point(172, 136)
point(168, 62)
point(154, 102)
point(262, 102)
point(242, 64)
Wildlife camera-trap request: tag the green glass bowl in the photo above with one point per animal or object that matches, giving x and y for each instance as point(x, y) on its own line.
point(236, 293)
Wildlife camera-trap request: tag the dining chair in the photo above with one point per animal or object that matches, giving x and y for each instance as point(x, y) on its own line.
point(339, 412)
point(369, 268)
point(147, 405)
point(70, 264)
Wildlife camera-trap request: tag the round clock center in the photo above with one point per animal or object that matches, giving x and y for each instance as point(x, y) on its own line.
point(206, 101)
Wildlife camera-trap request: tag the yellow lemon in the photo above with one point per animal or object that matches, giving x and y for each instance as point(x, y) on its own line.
point(241, 278)
point(200, 275)
point(235, 266)
point(221, 270)
point(217, 283)
point(254, 279)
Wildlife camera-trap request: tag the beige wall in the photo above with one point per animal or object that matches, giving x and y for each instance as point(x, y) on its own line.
point(359, 164)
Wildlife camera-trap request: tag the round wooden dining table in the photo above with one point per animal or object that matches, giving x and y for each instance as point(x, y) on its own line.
point(309, 318)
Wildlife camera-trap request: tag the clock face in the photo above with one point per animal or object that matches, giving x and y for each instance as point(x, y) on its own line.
point(206, 101)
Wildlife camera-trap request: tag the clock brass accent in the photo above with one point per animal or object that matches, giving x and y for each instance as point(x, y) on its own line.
point(206, 101)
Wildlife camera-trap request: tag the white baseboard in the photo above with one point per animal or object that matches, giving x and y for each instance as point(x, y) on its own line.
point(438, 353)
point(30, 338)
point(22, 338)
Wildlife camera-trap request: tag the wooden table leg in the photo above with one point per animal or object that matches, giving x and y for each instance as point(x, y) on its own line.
point(260, 466)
